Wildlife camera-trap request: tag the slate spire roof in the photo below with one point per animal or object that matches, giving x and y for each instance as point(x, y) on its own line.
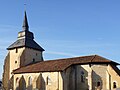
point(25, 23)
point(25, 38)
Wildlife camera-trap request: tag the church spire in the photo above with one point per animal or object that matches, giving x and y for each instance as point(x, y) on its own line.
point(25, 23)
point(25, 38)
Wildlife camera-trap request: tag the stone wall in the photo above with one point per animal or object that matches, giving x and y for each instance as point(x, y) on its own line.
point(114, 77)
point(32, 55)
point(99, 76)
point(17, 58)
point(92, 77)
point(6, 73)
point(40, 81)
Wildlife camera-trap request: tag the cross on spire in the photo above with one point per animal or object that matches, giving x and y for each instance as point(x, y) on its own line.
point(25, 6)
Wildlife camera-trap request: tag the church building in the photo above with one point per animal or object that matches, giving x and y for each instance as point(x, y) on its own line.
point(25, 68)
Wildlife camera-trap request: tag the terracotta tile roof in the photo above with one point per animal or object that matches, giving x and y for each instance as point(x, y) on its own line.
point(62, 64)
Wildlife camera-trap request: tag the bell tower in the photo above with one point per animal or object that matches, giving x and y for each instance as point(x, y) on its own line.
point(22, 52)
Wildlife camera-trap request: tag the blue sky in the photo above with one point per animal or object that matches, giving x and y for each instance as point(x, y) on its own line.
point(64, 28)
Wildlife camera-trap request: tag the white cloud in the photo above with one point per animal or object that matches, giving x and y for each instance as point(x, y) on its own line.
point(60, 53)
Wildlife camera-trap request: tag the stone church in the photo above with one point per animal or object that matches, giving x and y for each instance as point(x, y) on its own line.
point(25, 68)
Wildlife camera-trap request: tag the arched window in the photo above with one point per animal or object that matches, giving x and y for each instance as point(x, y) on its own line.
point(98, 84)
point(82, 77)
point(48, 80)
point(17, 82)
point(22, 84)
point(29, 81)
point(114, 85)
point(17, 79)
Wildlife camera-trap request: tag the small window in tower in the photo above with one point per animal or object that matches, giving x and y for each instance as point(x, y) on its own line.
point(33, 60)
point(82, 77)
point(0, 84)
point(36, 54)
point(16, 50)
point(15, 62)
point(114, 85)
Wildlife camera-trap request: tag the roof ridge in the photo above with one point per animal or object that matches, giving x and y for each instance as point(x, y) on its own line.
point(93, 58)
point(71, 57)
